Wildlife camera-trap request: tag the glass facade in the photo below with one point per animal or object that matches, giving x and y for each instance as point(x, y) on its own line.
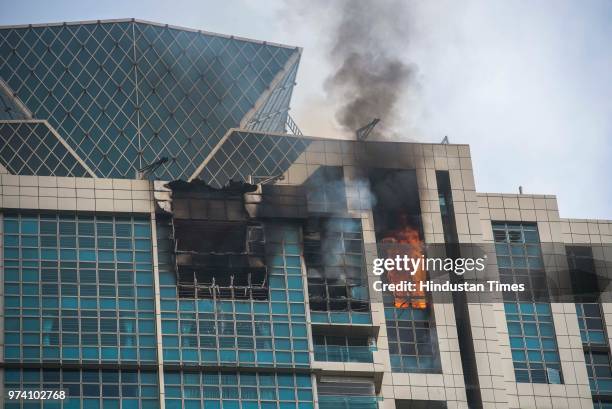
point(9, 107)
point(98, 389)
point(237, 390)
point(591, 323)
point(535, 353)
point(30, 148)
point(533, 343)
point(246, 154)
point(123, 94)
point(78, 288)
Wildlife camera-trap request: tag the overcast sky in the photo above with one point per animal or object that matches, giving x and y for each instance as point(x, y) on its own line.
point(527, 84)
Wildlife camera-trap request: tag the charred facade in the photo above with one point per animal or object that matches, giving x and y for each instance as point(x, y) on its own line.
point(219, 250)
point(333, 253)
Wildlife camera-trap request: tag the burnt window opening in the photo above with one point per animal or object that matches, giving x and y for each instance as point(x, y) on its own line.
point(325, 190)
point(333, 252)
point(397, 200)
point(219, 250)
point(398, 229)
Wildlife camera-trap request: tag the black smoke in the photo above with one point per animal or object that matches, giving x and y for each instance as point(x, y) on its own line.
point(370, 76)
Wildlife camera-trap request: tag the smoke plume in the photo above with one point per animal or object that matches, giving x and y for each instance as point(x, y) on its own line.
point(370, 75)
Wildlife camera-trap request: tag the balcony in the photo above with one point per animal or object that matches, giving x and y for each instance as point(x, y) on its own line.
point(328, 348)
point(337, 353)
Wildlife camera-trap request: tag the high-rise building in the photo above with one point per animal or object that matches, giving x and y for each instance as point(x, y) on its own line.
point(170, 239)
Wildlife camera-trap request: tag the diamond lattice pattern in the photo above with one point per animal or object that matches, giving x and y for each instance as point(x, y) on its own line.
point(124, 94)
point(246, 154)
point(30, 148)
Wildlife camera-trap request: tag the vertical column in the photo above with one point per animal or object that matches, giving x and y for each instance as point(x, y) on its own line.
point(306, 302)
point(158, 333)
point(1, 307)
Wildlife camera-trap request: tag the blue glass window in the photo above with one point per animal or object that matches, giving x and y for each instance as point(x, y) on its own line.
point(413, 345)
point(74, 300)
point(599, 369)
point(535, 354)
point(239, 390)
point(88, 388)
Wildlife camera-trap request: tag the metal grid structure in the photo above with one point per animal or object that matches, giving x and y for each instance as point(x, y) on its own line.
point(245, 154)
point(125, 93)
point(10, 106)
point(33, 148)
point(273, 115)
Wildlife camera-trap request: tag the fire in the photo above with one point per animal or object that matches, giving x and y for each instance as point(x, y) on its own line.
point(402, 242)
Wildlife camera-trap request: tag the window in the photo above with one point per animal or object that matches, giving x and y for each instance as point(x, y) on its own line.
point(599, 371)
point(412, 340)
point(333, 252)
point(519, 258)
point(533, 343)
point(585, 286)
point(248, 390)
point(90, 388)
point(342, 348)
point(591, 323)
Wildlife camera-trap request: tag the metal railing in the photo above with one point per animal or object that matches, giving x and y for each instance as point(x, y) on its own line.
point(338, 353)
point(292, 127)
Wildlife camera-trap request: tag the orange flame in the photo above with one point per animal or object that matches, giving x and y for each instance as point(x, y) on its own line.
point(401, 242)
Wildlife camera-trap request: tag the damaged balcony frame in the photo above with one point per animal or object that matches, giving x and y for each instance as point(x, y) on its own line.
point(219, 249)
